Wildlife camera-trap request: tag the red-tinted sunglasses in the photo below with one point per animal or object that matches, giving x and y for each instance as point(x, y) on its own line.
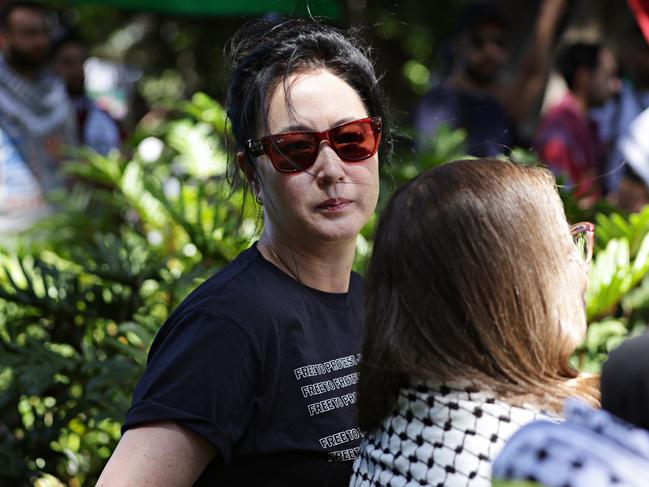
point(296, 151)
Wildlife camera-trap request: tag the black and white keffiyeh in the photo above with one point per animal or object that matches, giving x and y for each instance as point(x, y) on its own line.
point(37, 116)
point(592, 448)
point(41, 106)
point(445, 435)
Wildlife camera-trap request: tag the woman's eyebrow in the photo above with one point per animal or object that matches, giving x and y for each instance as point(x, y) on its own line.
point(305, 128)
point(296, 128)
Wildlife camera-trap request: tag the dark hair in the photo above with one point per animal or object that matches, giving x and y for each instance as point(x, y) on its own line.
point(575, 56)
point(480, 14)
point(8, 8)
point(69, 38)
point(265, 53)
point(453, 295)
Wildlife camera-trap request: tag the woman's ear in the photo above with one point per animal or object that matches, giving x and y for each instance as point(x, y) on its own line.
point(251, 175)
point(245, 166)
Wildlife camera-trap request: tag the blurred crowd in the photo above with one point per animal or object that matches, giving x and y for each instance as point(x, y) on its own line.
point(44, 111)
point(591, 136)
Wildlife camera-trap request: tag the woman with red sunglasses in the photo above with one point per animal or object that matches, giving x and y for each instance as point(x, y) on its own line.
point(475, 303)
point(252, 380)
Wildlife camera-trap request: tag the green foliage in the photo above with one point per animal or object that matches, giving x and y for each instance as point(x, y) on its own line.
point(445, 146)
point(83, 295)
point(614, 273)
point(601, 338)
point(617, 299)
point(617, 277)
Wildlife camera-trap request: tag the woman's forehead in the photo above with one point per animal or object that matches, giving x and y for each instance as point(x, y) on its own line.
point(313, 100)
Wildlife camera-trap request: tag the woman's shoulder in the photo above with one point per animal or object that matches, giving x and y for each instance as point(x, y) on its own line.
point(223, 297)
point(457, 428)
point(250, 291)
point(233, 284)
point(467, 401)
point(252, 280)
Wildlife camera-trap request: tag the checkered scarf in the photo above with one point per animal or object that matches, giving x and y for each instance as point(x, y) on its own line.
point(441, 436)
point(592, 448)
point(32, 114)
point(40, 106)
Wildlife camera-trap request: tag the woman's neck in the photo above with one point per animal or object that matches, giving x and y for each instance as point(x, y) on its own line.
point(324, 266)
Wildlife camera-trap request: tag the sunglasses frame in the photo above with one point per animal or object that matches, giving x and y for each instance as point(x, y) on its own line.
point(589, 229)
point(267, 145)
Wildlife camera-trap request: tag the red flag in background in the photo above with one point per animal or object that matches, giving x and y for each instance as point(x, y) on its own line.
point(640, 9)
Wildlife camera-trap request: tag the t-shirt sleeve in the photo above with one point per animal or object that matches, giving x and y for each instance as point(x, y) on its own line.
point(202, 373)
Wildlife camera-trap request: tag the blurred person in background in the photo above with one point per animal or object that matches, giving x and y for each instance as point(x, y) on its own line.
point(95, 127)
point(35, 111)
point(21, 200)
point(633, 144)
point(478, 95)
point(633, 192)
point(36, 120)
point(615, 117)
point(625, 381)
point(567, 139)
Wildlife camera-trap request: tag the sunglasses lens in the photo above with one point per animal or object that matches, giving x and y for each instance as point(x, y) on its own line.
point(294, 152)
point(354, 141)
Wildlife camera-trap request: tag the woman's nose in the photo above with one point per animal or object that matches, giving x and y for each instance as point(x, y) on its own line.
point(328, 166)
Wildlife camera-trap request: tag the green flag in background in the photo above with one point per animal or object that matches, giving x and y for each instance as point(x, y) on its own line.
point(325, 8)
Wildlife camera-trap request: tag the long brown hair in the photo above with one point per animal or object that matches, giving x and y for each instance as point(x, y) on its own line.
point(468, 280)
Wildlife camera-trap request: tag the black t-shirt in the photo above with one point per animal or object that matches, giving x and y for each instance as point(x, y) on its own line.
point(265, 369)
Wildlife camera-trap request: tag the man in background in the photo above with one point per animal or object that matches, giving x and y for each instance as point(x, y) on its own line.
point(615, 117)
point(478, 95)
point(36, 121)
point(567, 139)
point(95, 128)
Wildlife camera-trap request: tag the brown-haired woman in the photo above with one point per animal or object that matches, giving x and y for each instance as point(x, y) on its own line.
point(474, 305)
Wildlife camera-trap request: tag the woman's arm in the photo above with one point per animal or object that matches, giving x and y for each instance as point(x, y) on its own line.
point(530, 79)
point(157, 454)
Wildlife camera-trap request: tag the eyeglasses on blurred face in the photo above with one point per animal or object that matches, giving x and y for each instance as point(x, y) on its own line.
point(291, 152)
point(583, 236)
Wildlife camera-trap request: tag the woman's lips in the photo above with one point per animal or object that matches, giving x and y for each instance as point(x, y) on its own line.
point(333, 205)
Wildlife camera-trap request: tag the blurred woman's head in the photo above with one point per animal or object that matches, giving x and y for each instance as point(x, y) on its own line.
point(303, 79)
point(474, 277)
